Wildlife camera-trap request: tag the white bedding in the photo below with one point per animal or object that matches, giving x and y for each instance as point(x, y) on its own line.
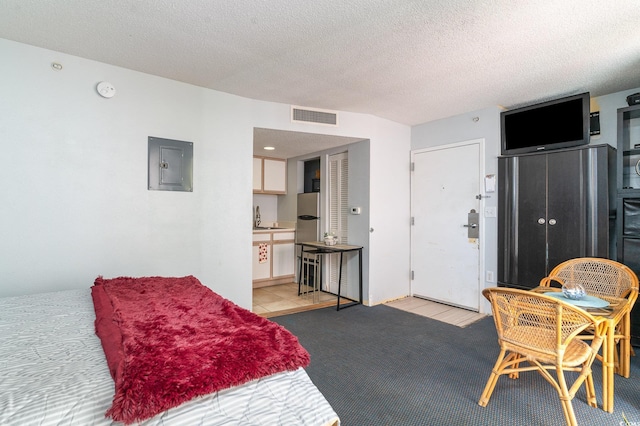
point(53, 372)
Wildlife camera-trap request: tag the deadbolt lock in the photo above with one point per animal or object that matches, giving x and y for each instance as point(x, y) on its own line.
point(473, 218)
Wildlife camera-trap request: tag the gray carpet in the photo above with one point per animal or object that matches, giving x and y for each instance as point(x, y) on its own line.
point(383, 366)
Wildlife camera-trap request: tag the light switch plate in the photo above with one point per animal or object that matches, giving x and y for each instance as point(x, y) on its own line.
point(490, 212)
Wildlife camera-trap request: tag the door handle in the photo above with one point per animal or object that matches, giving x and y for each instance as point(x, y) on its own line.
point(471, 225)
point(542, 221)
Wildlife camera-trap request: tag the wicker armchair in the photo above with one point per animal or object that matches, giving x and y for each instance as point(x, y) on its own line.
point(541, 333)
point(608, 280)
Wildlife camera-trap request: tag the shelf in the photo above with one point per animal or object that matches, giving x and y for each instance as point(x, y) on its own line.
point(628, 163)
point(628, 155)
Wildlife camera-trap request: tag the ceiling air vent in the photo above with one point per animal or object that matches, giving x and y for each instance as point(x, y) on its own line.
point(317, 116)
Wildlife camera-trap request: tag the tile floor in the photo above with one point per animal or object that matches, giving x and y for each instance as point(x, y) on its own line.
point(283, 299)
point(438, 311)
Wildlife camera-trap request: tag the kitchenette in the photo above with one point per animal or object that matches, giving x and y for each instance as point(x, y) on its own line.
point(273, 243)
point(287, 240)
point(274, 256)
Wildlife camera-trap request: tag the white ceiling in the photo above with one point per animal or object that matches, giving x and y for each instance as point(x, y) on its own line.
point(407, 61)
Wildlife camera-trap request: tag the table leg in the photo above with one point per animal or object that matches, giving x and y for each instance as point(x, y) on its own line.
point(360, 272)
point(625, 346)
point(300, 270)
point(317, 266)
point(608, 366)
point(339, 281)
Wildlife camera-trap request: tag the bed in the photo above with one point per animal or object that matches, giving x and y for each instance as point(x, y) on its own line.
point(53, 371)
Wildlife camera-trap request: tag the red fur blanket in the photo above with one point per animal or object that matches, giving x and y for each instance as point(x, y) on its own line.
point(168, 340)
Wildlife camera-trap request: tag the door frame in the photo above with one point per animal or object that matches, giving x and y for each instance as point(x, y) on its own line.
point(481, 209)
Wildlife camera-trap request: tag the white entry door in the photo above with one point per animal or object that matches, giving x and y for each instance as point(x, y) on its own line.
point(445, 184)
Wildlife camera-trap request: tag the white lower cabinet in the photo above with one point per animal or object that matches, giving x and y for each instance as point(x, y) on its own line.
point(283, 259)
point(277, 264)
point(261, 271)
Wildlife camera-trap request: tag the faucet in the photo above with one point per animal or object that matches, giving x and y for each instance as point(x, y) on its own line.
point(257, 220)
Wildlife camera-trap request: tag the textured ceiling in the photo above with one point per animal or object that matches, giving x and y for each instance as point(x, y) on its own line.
point(407, 61)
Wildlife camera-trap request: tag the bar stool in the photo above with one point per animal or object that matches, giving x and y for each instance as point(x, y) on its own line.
point(310, 273)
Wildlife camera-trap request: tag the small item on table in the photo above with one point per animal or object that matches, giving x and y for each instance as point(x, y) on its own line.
point(330, 239)
point(573, 291)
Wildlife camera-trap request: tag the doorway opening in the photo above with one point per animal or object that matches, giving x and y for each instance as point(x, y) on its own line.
point(310, 153)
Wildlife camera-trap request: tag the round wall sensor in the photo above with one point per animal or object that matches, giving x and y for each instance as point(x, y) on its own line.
point(106, 89)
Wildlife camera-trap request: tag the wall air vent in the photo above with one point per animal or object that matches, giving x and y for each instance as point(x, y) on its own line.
point(316, 116)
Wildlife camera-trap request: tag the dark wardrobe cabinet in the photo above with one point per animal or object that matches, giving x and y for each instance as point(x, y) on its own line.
point(553, 206)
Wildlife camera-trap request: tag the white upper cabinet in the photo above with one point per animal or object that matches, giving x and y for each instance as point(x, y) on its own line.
point(269, 176)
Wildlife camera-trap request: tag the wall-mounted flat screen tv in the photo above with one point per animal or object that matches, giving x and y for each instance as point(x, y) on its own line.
point(559, 123)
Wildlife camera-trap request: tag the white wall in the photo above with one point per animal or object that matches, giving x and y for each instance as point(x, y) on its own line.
point(268, 204)
point(75, 202)
point(390, 211)
point(77, 205)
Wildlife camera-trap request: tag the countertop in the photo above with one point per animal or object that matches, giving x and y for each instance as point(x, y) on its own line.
point(272, 229)
point(279, 226)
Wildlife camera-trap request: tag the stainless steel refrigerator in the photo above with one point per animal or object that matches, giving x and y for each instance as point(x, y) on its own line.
point(308, 217)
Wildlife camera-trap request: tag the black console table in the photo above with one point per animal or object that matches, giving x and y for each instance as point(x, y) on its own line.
point(320, 248)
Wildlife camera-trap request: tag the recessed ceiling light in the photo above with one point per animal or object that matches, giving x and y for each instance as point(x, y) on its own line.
point(269, 148)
